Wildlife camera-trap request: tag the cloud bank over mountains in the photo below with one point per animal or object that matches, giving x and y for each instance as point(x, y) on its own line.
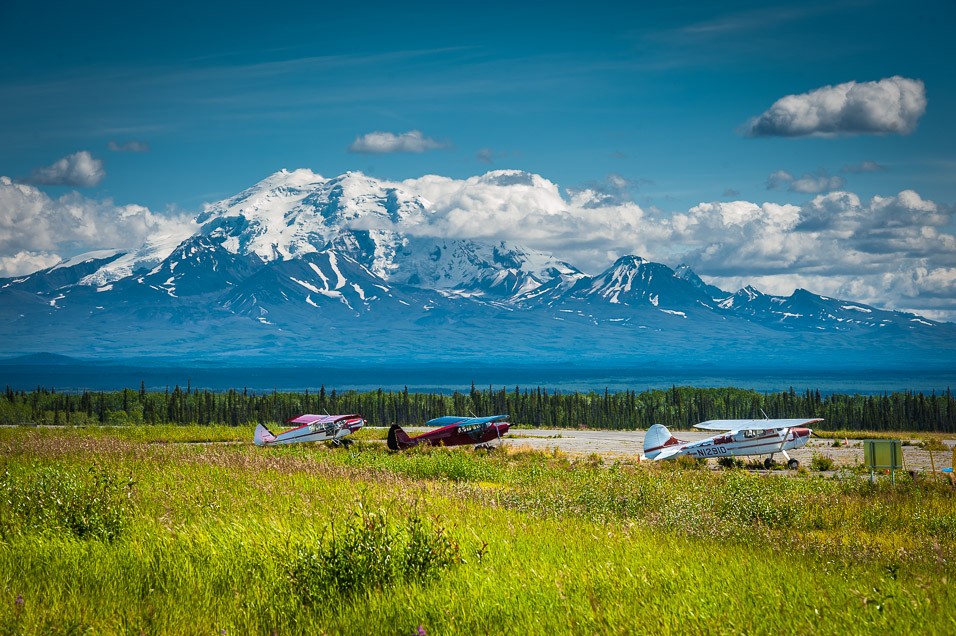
point(889, 106)
point(891, 251)
point(38, 231)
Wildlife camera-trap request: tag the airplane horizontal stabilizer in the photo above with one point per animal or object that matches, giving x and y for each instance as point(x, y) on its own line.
point(667, 453)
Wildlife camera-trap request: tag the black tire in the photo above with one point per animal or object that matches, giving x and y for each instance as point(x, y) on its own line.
point(768, 463)
point(793, 464)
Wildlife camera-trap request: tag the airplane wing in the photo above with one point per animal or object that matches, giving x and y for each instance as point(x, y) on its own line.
point(750, 425)
point(463, 421)
point(309, 418)
point(446, 420)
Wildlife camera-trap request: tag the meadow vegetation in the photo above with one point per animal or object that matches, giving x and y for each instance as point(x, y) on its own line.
point(148, 530)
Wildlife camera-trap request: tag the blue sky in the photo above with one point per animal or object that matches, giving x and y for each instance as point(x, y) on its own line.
point(166, 108)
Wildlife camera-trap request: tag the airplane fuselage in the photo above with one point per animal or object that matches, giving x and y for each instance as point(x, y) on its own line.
point(459, 435)
point(313, 428)
point(749, 442)
point(451, 431)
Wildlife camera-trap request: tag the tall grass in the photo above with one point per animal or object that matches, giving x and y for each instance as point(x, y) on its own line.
point(300, 540)
point(48, 499)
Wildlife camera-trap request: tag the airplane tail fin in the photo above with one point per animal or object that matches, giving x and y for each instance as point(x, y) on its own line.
point(263, 436)
point(398, 439)
point(657, 439)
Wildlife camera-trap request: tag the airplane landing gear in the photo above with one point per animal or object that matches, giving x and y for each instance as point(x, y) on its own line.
point(768, 463)
point(791, 462)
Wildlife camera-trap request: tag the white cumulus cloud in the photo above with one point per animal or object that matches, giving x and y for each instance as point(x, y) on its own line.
point(891, 105)
point(80, 169)
point(890, 251)
point(35, 229)
point(807, 184)
point(386, 142)
point(24, 262)
point(586, 227)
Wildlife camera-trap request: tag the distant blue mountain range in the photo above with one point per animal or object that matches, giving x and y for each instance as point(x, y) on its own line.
point(283, 275)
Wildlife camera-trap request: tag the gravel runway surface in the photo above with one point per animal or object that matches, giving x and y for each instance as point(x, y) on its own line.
point(629, 445)
point(620, 445)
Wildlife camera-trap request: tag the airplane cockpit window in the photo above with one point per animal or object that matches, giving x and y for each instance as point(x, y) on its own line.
point(749, 434)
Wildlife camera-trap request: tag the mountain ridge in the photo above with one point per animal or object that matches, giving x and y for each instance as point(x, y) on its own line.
point(299, 267)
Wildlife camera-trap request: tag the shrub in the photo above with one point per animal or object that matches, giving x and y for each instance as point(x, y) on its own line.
point(594, 459)
point(90, 506)
point(820, 462)
point(730, 462)
point(686, 462)
point(373, 552)
point(428, 550)
point(934, 444)
point(749, 499)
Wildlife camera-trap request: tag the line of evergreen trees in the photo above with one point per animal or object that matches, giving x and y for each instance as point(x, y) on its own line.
point(677, 407)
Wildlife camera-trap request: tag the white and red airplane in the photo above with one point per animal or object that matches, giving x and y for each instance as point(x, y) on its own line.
point(312, 428)
point(739, 437)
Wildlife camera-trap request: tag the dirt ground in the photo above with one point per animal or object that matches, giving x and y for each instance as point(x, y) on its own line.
point(629, 444)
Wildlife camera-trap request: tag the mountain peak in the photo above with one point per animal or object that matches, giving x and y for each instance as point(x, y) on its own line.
point(629, 261)
point(684, 272)
point(633, 280)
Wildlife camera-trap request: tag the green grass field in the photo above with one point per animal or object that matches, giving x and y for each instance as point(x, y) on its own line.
point(144, 530)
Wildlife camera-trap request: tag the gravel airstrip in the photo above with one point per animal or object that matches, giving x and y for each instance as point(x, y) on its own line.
point(628, 445)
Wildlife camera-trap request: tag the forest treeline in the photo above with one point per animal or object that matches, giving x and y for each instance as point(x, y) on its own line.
point(677, 407)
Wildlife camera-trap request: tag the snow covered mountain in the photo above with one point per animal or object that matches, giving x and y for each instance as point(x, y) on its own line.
point(302, 269)
point(805, 310)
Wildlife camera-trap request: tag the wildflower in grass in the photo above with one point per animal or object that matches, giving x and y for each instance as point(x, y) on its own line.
point(420, 631)
point(18, 603)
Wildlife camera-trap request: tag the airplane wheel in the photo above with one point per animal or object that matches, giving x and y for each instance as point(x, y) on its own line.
point(768, 463)
point(792, 464)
